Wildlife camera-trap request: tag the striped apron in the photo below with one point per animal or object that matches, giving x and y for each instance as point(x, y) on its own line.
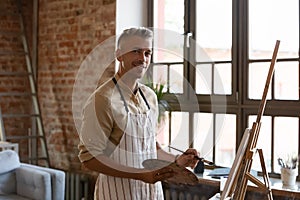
point(137, 144)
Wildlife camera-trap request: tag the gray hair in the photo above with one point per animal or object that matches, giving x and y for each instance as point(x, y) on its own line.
point(140, 31)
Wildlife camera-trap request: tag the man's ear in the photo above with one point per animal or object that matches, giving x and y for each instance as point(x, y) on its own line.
point(119, 55)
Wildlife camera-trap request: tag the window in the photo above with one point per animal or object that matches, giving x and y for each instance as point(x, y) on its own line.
point(222, 56)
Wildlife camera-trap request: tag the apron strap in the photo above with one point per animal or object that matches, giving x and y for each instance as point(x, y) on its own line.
point(122, 96)
point(144, 98)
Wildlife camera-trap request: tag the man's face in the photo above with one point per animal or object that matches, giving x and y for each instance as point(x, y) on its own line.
point(135, 55)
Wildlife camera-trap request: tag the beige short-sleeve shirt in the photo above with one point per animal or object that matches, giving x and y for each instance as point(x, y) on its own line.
point(104, 117)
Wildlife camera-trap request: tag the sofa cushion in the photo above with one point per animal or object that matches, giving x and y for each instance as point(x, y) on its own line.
point(57, 180)
point(8, 183)
point(34, 184)
point(9, 160)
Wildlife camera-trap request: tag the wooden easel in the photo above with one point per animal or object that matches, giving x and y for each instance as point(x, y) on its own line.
point(236, 184)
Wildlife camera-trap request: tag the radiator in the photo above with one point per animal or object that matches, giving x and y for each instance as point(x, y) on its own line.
point(187, 192)
point(178, 195)
point(77, 186)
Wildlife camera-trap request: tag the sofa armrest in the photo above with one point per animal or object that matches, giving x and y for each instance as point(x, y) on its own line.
point(33, 183)
point(57, 180)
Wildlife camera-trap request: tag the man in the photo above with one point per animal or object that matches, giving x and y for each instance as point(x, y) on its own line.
point(118, 129)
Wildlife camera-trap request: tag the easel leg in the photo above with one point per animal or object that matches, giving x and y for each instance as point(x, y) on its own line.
point(265, 174)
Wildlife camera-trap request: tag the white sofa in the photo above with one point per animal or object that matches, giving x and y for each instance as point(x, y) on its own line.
point(20, 181)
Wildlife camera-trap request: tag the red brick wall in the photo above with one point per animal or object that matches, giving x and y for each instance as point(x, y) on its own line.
point(68, 31)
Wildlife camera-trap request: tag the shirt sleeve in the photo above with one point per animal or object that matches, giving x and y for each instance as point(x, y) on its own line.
point(95, 129)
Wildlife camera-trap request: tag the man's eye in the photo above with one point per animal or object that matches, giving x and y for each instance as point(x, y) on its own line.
point(140, 51)
point(148, 53)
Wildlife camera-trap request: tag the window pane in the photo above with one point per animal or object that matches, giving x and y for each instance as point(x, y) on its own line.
point(203, 134)
point(285, 138)
point(180, 130)
point(166, 18)
point(214, 32)
point(160, 74)
point(176, 79)
point(287, 81)
point(264, 141)
point(168, 46)
point(271, 20)
point(169, 29)
point(163, 130)
point(203, 79)
point(175, 82)
point(258, 73)
point(225, 139)
point(222, 79)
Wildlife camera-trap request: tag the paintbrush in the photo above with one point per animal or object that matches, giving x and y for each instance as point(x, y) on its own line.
point(197, 157)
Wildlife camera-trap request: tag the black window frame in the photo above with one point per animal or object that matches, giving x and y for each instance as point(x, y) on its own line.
point(238, 102)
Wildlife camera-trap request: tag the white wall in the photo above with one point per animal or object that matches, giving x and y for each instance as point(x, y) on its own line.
point(130, 13)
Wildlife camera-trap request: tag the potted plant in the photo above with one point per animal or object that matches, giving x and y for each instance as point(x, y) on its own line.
point(163, 105)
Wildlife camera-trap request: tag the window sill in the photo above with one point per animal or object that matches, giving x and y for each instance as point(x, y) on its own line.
point(276, 185)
